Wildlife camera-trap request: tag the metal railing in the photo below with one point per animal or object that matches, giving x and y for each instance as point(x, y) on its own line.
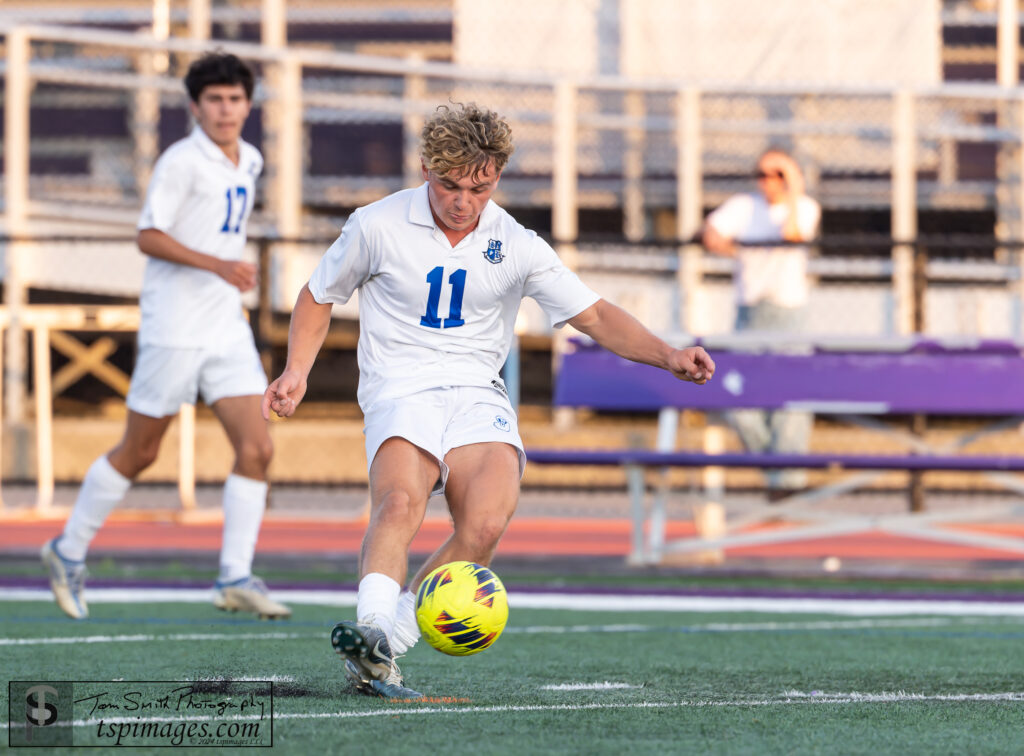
point(49, 326)
point(54, 326)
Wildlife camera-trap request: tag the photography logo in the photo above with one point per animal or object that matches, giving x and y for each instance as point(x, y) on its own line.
point(137, 713)
point(40, 713)
point(36, 712)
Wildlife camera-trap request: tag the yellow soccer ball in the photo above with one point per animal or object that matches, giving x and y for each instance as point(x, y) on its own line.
point(461, 608)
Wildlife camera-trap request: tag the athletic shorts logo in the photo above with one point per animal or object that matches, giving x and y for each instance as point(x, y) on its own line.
point(502, 423)
point(493, 252)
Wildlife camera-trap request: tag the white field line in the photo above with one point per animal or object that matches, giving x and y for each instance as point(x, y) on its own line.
point(590, 686)
point(177, 596)
point(848, 607)
point(789, 698)
point(713, 627)
point(147, 638)
point(897, 696)
point(587, 602)
point(746, 627)
point(268, 678)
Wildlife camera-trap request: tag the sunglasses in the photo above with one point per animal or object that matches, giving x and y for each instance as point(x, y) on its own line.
point(768, 174)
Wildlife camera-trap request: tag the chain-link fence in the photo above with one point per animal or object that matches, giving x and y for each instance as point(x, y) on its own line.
point(619, 172)
point(102, 105)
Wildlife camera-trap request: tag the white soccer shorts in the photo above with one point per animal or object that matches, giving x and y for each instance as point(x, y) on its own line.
point(439, 420)
point(165, 378)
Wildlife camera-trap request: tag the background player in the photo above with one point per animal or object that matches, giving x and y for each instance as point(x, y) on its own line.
point(193, 339)
point(441, 272)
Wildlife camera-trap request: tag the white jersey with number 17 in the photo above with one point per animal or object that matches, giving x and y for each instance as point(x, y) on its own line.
point(431, 315)
point(202, 200)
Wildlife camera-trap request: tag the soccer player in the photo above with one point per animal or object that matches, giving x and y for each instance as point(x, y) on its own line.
point(441, 271)
point(193, 339)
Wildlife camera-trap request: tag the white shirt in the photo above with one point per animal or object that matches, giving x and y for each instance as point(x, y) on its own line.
point(767, 274)
point(431, 315)
point(201, 199)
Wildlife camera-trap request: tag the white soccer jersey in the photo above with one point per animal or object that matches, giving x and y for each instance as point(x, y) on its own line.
point(201, 199)
point(431, 315)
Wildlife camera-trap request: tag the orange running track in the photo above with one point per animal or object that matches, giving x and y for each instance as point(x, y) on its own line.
point(526, 536)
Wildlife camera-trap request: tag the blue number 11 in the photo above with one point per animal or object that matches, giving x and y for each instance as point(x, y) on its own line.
point(436, 278)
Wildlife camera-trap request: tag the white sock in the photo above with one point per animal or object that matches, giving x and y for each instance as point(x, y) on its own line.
point(244, 502)
point(377, 600)
point(101, 491)
point(407, 632)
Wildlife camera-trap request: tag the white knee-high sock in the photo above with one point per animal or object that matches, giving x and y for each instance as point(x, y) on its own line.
point(101, 491)
point(244, 502)
point(377, 600)
point(407, 632)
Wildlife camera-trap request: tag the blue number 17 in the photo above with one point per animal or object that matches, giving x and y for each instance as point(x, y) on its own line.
point(458, 281)
point(242, 196)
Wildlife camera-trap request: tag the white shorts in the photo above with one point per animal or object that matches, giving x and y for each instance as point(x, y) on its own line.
point(439, 420)
point(166, 377)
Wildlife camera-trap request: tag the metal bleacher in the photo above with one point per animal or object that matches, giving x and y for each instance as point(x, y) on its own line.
point(617, 171)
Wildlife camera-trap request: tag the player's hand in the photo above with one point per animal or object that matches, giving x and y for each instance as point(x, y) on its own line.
point(283, 395)
point(242, 275)
point(691, 364)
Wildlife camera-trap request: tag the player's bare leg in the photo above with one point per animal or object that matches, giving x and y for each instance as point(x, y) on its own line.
point(401, 478)
point(245, 497)
point(139, 445)
point(482, 493)
point(104, 486)
point(247, 431)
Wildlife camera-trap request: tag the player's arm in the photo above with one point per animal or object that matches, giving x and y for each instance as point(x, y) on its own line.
point(309, 324)
point(618, 331)
point(155, 243)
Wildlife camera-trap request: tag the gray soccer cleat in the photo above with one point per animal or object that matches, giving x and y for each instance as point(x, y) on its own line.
point(368, 660)
point(360, 684)
point(248, 594)
point(366, 645)
point(393, 688)
point(67, 580)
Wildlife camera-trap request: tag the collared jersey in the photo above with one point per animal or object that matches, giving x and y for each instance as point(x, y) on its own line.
point(431, 315)
point(201, 199)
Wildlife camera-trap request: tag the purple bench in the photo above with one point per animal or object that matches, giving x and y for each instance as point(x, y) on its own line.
point(853, 380)
point(910, 377)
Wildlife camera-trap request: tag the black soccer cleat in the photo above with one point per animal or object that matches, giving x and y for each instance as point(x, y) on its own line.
point(366, 646)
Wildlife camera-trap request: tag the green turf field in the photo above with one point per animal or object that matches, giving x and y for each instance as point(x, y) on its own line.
point(572, 681)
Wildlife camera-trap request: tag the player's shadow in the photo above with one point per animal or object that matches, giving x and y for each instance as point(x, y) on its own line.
point(228, 687)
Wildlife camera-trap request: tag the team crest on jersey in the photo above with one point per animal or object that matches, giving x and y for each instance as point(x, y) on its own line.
point(501, 423)
point(493, 252)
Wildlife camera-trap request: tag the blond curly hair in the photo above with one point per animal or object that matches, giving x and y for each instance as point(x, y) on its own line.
point(463, 139)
